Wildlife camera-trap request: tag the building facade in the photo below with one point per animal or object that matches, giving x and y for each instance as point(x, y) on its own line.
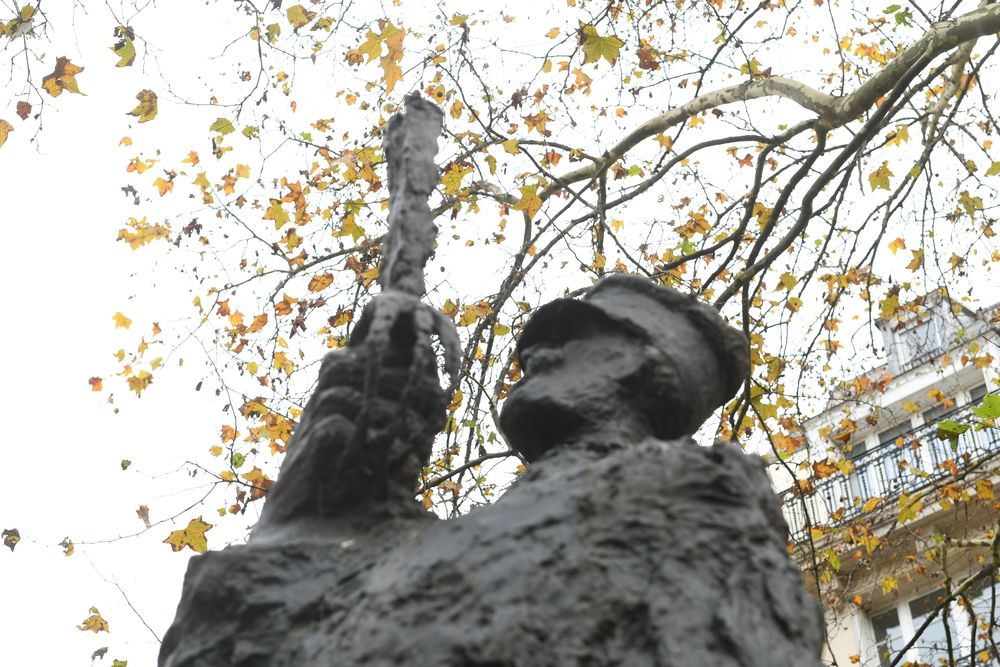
point(888, 519)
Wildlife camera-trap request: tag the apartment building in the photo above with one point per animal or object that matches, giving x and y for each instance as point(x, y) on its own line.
point(889, 517)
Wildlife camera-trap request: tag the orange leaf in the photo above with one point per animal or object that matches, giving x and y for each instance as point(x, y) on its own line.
point(62, 78)
point(321, 282)
point(96, 383)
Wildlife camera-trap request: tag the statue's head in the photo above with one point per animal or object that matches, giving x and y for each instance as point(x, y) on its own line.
point(630, 356)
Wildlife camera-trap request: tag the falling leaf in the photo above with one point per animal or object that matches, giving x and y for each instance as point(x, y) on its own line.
point(5, 130)
point(596, 47)
point(11, 536)
point(125, 464)
point(96, 384)
point(193, 536)
point(121, 322)
point(94, 622)
point(147, 108)
point(143, 514)
point(62, 78)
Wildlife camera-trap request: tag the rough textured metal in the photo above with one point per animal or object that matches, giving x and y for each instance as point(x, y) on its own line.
point(624, 543)
point(410, 146)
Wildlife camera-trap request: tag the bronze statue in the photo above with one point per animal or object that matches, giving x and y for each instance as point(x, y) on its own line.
point(624, 543)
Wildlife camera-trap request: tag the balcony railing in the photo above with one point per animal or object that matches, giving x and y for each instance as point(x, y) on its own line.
point(888, 471)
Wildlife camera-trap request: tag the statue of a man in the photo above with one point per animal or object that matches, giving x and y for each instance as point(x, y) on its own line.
point(629, 360)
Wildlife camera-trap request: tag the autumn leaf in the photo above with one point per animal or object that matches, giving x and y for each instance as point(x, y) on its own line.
point(5, 130)
point(139, 383)
point(95, 623)
point(452, 177)
point(125, 50)
point(321, 282)
point(96, 384)
point(68, 546)
point(23, 110)
point(193, 536)
point(121, 322)
point(596, 47)
point(537, 123)
point(897, 244)
point(880, 177)
point(261, 482)
point(11, 536)
point(143, 514)
point(984, 489)
point(529, 202)
point(147, 108)
point(917, 261)
point(299, 16)
point(473, 313)
point(164, 185)
point(62, 78)
point(223, 126)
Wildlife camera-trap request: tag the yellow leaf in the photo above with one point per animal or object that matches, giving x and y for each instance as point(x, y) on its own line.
point(321, 282)
point(899, 136)
point(501, 329)
point(193, 536)
point(5, 129)
point(121, 322)
point(870, 504)
point(917, 261)
point(880, 177)
point(895, 245)
point(529, 202)
point(475, 312)
point(596, 47)
point(138, 383)
point(664, 141)
point(125, 50)
point(62, 78)
point(163, 186)
point(553, 33)
point(695, 121)
point(227, 475)
point(984, 489)
point(889, 584)
point(299, 16)
point(146, 109)
point(215, 450)
point(910, 406)
point(452, 177)
point(95, 622)
point(537, 123)
point(510, 146)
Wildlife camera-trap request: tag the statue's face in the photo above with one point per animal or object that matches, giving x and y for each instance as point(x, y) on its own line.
point(571, 384)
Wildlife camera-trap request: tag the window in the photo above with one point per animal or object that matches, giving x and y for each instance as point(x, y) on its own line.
point(894, 628)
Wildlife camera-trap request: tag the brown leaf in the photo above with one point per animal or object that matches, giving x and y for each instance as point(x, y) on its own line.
point(23, 109)
point(11, 536)
point(143, 514)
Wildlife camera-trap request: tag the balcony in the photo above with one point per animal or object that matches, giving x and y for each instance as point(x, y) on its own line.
point(888, 471)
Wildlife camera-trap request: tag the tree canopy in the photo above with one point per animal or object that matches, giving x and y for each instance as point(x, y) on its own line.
point(805, 167)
